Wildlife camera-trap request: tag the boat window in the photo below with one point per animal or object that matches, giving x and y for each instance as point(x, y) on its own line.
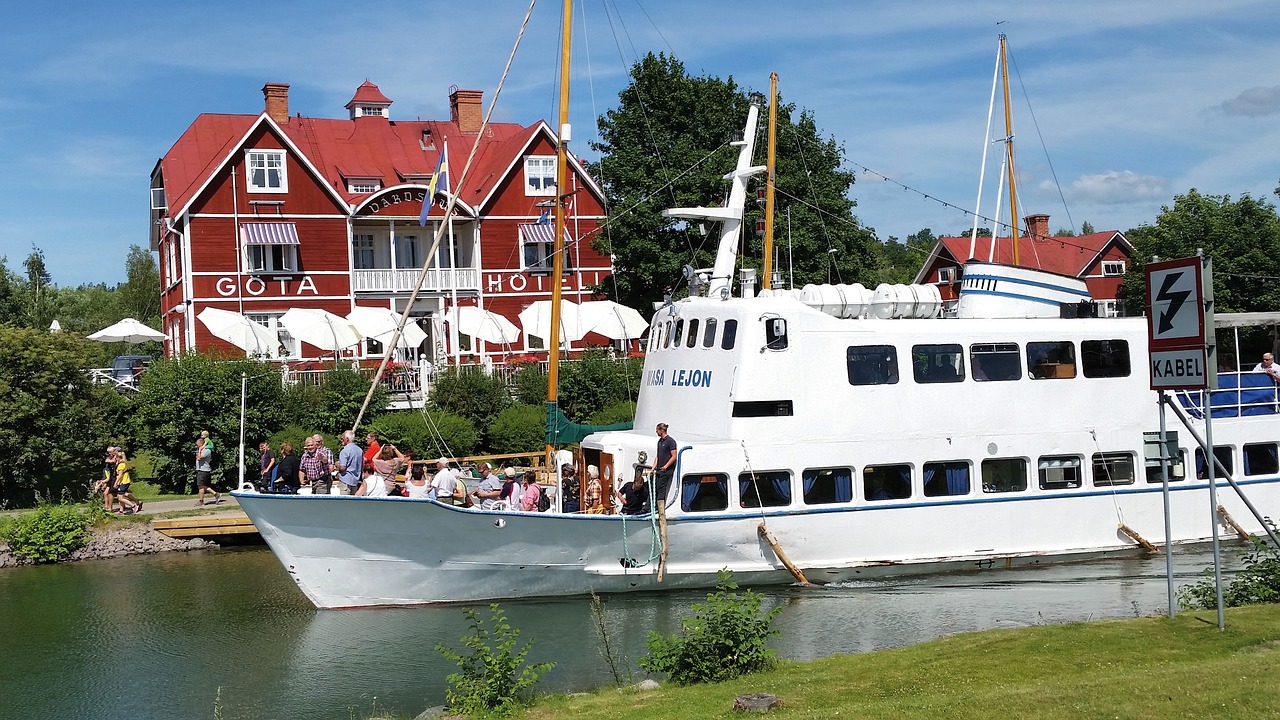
point(1177, 468)
point(872, 364)
point(1060, 472)
point(693, 333)
point(823, 486)
point(775, 333)
point(730, 334)
point(946, 478)
point(666, 336)
point(886, 482)
point(1047, 360)
point(995, 361)
point(937, 363)
point(1260, 459)
point(700, 493)
point(1002, 475)
point(1113, 468)
point(675, 340)
point(765, 489)
point(1105, 358)
point(709, 335)
point(1223, 453)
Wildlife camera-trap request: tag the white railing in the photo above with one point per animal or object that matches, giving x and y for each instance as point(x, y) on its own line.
point(403, 280)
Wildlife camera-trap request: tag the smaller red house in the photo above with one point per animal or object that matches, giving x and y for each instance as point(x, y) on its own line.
point(1100, 259)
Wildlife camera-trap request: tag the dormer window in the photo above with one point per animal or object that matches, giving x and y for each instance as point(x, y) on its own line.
point(265, 171)
point(540, 175)
point(366, 110)
point(363, 185)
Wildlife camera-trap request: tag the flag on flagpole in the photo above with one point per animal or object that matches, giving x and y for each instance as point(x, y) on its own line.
point(439, 184)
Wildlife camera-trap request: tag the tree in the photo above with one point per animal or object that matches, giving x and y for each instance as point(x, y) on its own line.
point(140, 293)
point(52, 430)
point(476, 396)
point(898, 262)
point(1086, 228)
point(178, 398)
point(1242, 238)
point(39, 293)
point(667, 145)
point(10, 294)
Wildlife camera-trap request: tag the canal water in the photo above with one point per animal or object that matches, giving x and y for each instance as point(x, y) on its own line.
point(179, 634)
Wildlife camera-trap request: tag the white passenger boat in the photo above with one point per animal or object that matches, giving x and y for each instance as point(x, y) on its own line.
point(865, 433)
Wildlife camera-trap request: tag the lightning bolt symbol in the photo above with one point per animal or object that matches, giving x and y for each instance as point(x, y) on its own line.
point(1175, 300)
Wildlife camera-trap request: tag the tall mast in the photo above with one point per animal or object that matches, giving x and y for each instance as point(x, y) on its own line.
point(1008, 144)
point(557, 274)
point(768, 193)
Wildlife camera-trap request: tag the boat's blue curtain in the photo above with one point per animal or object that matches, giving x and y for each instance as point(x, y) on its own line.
point(808, 480)
point(844, 485)
point(957, 479)
point(930, 474)
point(688, 491)
point(782, 486)
point(723, 482)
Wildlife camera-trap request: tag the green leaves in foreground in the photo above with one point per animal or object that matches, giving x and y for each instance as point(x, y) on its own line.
point(725, 638)
point(1257, 583)
point(488, 682)
point(48, 534)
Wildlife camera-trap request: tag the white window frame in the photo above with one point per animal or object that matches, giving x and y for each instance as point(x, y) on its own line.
point(538, 169)
point(373, 110)
point(1112, 268)
point(270, 259)
point(271, 320)
point(409, 252)
point(1108, 308)
point(157, 199)
point(363, 186)
point(946, 275)
point(267, 162)
point(363, 255)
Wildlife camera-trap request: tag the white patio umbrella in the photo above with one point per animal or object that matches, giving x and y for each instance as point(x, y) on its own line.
point(536, 320)
point(127, 330)
point(240, 331)
point(478, 323)
point(380, 323)
point(614, 321)
point(320, 328)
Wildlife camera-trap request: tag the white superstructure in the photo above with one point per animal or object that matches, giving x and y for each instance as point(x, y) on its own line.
point(867, 434)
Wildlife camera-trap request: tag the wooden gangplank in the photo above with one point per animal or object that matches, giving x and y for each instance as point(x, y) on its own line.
point(232, 523)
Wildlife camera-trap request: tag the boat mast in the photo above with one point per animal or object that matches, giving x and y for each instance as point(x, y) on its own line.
point(1008, 144)
point(557, 274)
point(767, 281)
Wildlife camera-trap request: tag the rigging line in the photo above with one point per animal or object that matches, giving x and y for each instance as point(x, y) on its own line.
point(1045, 148)
point(795, 133)
point(1106, 469)
point(656, 29)
point(441, 227)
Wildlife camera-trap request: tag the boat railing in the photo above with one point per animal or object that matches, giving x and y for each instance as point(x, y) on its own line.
point(1239, 394)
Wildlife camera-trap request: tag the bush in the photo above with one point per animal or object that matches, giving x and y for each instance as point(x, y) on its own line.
point(616, 413)
point(48, 534)
point(1256, 584)
point(450, 434)
point(471, 393)
point(725, 638)
point(488, 682)
point(530, 384)
point(519, 428)
point(407, 430)
point(332, 404)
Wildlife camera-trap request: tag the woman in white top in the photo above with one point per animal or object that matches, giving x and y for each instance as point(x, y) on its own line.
point(417, 484)
point(371, 484)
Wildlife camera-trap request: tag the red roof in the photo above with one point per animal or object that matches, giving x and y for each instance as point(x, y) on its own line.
point(365, 148)
point(368, 93)
point(1065, 255)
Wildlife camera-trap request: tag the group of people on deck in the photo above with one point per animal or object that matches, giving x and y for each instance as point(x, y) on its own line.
point(379, 470)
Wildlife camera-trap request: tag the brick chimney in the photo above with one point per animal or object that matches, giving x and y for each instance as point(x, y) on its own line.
point(1037, 226)
point(465, 109)
point(277, 95)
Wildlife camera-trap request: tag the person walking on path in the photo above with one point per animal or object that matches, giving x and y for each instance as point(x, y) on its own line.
point(350, 461)
point(204, 469)
point(124, 479)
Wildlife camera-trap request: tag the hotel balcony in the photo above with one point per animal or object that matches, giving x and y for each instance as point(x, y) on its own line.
point(402, 280)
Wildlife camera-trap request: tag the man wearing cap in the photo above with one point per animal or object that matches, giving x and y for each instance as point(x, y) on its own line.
point(490, 489)
point(443, 482)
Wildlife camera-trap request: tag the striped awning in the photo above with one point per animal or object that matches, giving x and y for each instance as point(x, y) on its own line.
point(269, 233)
point(541, 232)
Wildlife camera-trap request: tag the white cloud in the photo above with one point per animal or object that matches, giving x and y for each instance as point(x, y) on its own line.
point(1116, 188)
point(1254, 102)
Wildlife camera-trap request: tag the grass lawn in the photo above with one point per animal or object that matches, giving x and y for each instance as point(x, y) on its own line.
point(1135, 668)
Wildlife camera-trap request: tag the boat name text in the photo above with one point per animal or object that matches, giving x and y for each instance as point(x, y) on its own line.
point(681, 377)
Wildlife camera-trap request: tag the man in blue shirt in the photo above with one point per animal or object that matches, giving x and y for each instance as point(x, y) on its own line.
point(350, 460)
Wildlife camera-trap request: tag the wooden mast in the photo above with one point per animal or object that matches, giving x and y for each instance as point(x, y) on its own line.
point(1008, 144)
point(557, 273)
point(767, 281)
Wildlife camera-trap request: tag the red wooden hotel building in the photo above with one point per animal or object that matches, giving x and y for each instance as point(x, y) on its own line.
point(261, 213)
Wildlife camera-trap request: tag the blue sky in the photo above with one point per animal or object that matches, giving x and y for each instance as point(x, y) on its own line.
point(1136, 101)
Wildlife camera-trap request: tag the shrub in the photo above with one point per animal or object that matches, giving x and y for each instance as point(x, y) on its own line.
point(617, 413)
point(725, 638)
point(332, 404)
point(49, 533)
point(488, 681)
point(529, 384)
point(406, 429)
point(475, 395)
point(519, 428)
point(1256, 584)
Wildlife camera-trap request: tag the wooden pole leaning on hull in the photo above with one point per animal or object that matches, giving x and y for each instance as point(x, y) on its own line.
point(662, 538)
point(1231, 522)
point(1133, 534)
point(768, 537)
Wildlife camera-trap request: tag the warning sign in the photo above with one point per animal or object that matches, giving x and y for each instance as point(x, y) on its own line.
point(1176, 320)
